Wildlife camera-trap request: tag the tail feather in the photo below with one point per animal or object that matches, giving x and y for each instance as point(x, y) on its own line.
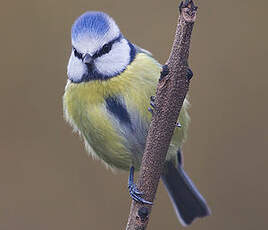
point(187, 201)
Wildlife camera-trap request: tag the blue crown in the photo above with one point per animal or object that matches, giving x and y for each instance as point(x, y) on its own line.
point(91, 23)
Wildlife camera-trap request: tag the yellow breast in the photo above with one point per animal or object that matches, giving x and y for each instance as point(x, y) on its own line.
point(84, 106)
point(85, 109)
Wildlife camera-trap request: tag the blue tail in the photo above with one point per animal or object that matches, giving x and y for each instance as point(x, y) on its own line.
point(187, 201)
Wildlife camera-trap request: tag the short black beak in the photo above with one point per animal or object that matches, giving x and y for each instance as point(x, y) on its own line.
point(87, 58)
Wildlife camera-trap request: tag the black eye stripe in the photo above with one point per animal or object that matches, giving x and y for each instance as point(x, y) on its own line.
point(104, 50)
point(107, 47)
point(77, 54)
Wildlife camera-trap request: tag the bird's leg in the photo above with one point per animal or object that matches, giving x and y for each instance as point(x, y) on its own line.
point(133, 191)
point(164, 72)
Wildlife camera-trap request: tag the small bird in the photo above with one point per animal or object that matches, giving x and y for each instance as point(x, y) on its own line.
point(106, 99)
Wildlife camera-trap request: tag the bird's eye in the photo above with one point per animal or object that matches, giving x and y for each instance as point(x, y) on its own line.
point(105, 49)
point(77, 54)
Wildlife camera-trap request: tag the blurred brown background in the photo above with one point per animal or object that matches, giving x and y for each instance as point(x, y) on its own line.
point(47, 180)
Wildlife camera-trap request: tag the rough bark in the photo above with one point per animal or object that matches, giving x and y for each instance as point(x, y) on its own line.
point(171, 92)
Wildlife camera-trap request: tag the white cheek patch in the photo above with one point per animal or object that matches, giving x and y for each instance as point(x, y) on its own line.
point(76, 69)
point(115, 61)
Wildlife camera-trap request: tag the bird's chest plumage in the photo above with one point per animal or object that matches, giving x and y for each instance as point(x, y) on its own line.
point(112, 115)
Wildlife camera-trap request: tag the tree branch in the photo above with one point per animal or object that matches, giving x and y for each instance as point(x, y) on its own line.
point(171, 92)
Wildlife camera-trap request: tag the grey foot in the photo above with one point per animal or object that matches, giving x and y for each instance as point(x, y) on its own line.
point(133, 191)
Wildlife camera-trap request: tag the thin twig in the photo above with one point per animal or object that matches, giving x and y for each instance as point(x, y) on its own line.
point(171, 92)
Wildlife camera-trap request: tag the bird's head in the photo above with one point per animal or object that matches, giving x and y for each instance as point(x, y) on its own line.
point(99, 50)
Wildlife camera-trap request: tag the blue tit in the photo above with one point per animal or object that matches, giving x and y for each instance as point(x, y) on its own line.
point(106, 99)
